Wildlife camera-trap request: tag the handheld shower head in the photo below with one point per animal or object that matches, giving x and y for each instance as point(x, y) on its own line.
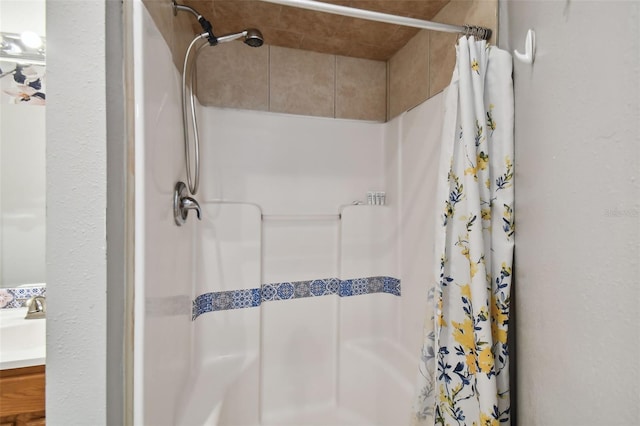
point(253, 37)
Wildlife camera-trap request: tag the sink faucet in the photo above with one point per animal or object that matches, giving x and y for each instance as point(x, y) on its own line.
point(36, 307)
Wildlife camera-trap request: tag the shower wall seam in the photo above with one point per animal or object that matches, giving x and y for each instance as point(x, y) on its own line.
point(338, 338)
point(400, 212)
point(262, 313)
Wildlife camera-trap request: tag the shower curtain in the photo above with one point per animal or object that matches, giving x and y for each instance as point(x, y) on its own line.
point(464, 367)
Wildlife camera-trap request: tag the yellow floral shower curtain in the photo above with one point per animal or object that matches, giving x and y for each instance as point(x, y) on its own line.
point(464, 368)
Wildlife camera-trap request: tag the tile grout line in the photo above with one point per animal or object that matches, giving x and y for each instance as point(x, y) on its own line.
point(335, 86)
point(269, 78)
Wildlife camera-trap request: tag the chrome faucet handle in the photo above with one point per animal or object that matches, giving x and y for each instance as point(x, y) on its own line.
point(188, 203)
point(182, 203)
point(36, 307)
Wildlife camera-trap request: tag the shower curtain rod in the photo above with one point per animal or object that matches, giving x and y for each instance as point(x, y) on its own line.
point(468, 30)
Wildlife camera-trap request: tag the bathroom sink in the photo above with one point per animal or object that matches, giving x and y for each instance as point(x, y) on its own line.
point(22, 341)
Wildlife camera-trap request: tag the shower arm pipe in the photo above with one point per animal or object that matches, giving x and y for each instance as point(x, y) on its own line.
point(179, 7)
point(478, 32)
point(206, 25)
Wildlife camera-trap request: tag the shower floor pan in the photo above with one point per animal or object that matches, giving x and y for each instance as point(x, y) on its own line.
point(371, 384)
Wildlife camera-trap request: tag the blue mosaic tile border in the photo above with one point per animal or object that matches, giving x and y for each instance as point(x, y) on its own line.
point(250, 298)
point(225, 300)
point(15, 297)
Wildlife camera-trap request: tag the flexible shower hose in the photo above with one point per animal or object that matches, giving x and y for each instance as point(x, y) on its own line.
point(192, 181)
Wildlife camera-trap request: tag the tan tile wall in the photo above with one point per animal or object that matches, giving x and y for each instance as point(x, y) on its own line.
point(423, 67)
point(275, 78)
point(302, 82)
point(292, 81)
point(176, 30)
point(234, 75)
point(361, 91)
point(409, 74)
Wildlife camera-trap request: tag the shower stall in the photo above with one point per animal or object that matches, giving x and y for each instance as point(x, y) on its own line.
point(295, 300)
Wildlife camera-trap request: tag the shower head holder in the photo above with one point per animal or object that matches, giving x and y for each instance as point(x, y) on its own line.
point(251, 36)
point(206, 26)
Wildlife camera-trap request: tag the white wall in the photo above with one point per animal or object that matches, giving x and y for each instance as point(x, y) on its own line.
point(419, 136)
point(163, 251)
point(76, 214)
point(17, 16)
point(290, 166)
point(578, 208)
point(380, 330)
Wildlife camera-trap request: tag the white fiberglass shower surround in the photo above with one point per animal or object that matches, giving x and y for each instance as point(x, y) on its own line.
point(287, 303)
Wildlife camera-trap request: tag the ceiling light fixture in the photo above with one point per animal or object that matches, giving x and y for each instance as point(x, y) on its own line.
point(31, 39)
point(25, 48)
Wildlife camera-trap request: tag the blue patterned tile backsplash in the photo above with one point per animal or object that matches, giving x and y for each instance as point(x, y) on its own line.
point(15, 297)
point(238, 299)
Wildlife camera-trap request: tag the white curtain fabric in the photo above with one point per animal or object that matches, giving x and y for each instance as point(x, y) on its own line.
point(464, 369)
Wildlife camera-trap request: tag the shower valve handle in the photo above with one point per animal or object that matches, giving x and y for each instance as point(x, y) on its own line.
point(188, 203)
point(182, 203)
